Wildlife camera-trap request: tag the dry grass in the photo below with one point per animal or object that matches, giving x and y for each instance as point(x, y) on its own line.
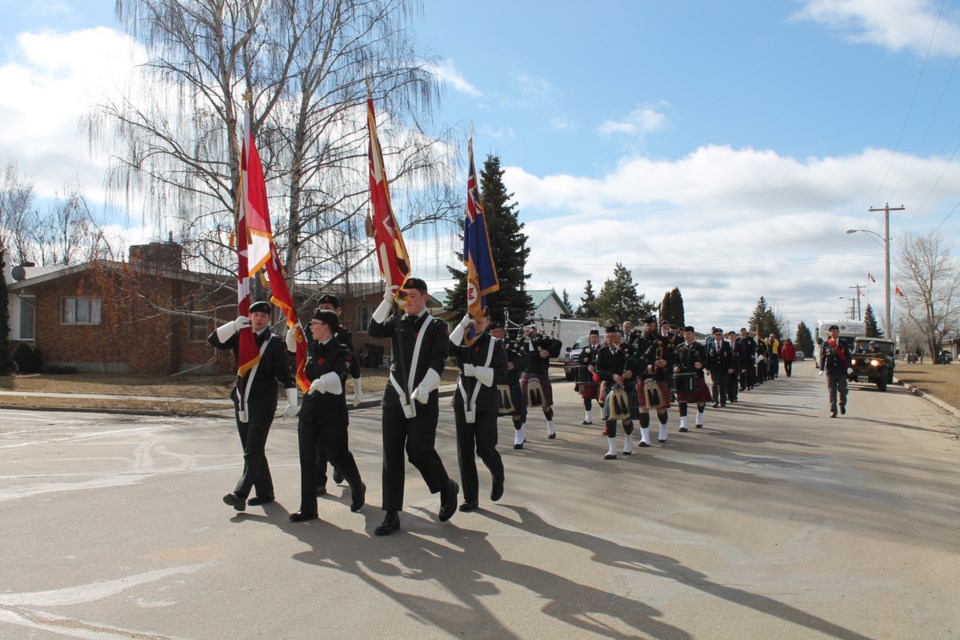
point(183, 391)
point(941, 381)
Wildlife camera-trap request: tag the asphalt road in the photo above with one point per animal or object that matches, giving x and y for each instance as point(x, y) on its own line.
point(773, 521)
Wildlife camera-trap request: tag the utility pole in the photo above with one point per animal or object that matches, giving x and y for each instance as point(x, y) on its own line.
point(886, 256)
point(858, 287)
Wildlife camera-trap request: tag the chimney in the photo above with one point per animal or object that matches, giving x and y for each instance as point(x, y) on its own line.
point(159, 255)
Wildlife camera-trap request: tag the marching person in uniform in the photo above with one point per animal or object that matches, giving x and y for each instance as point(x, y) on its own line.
point(255, 401)
point(835, 362)
point(689, 370)
point(748, 353)
point(323, 416)
point(589, 388)
point(540, 349)
point(615, 368)
point(476, 407)
point(721, 366)
point(517, 362)
point(733, 384)
point(654, 353)
point(411, 401)
point(330, 302)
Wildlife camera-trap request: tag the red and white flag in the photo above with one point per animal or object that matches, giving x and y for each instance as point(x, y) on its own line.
point(391, 251)
point(261, 253)
point(900, 293)
point(870, 278)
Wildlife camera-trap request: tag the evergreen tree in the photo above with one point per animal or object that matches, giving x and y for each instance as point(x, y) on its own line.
point(6, 362)
point(873, 329)
point(618, 299)
point(804, 340)
point(765, 320)
point(567, 307)
point(671, 309)
point(508, 245)
point(587, 308)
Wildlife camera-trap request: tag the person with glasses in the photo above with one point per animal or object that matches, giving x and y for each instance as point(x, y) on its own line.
point(411, 405)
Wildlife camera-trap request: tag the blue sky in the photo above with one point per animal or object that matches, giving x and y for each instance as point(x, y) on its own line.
point(719, 147)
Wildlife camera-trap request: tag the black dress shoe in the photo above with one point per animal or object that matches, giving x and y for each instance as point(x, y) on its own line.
point(321, 491)
point(552, 436)
point(300, 516)
point(337, 476)
point(448, 500)
point(610, 456)
point(519, 445)
point(358, 498)
point(256, 501)
point(716, 404)
point(497, 491)
point(833, 414)
point(391, 523)
point(843, 409)
point(235, 501)
point(469, 505)
point(643, 444)
point(684, 430)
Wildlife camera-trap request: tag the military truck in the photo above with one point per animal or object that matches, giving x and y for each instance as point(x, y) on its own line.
point(872, 359)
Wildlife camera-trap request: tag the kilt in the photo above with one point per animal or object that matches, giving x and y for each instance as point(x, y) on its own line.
point(544, 385)
point(693, 396)
point(589, 390)
point(664, 392)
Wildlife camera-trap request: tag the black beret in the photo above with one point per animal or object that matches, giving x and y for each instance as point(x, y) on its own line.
point(664, 322)
point(260, 305)
point(832, 327)
point(329, 298)
point(494, 324)
point(594, 332)
point(415, 283)
point(327, 317)
point(731, 333)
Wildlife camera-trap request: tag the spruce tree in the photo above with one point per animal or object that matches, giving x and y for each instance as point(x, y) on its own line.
point(6, 362)
point(873, 329)
point(619, 300)
point(671, 309)
point(588, 303)
point(804, 340)
point(758, 318)
point(567, 306)
point(508, 246)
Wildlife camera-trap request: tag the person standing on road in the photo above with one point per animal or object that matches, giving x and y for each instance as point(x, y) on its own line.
point(788, 354)
point(835, 362)
point(540, 349)
point(256, 392)
point(411, 405)
point(323, 416)
point(589, 389)
point(517, 362)
point(476, 407)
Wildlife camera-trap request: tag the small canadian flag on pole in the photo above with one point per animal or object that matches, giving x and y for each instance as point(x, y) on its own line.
point(900, 293)
point(870, 278)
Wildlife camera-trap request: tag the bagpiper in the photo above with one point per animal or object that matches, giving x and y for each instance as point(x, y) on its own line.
point(689, 372)
point(589, 388)
point(654, 354)
point(539, 349)
point(616, 369)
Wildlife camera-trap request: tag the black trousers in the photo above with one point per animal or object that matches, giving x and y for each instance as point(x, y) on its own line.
point(253, 437)
point(417, 437)
point(788, 367)
point(733, 387)
point(332, 436)
point(721, 382)
point(476, 439)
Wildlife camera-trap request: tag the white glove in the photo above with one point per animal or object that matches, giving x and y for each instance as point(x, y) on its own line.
point(431, 380)
point(291, 339)
point(849, 370)
point(226, 331)
point(456, 336)
point(484, 375)
point(318, 386)
point(383, 310)
point(469, 370)
point(357, 392)
point(292, 408)
point(332, 383)
point(821, 372)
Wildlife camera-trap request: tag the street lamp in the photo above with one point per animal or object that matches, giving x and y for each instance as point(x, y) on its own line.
point(886, 272)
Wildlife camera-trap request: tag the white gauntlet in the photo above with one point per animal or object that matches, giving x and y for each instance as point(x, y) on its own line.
point(292, 408)
point(431, 380)
point(226, 331)
point(384, 309)
point(484, 375)
point(456, 336)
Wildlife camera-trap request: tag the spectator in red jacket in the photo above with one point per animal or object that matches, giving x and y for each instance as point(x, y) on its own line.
point(788, 353)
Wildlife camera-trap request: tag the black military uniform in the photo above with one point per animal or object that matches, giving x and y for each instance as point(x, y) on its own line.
point(539, 368)
point(748, 352)
point(720, 363)
point(410, 427)
point(324, 419)
point(255, 416)
point(589, 389)
point(835, 362)
point(615, 360)
point(476, 407)
point(651, 347)
point(733, 384)
point(691, 383)
point(520, 362)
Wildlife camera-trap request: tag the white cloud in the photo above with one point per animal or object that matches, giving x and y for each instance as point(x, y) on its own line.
point(447, 72)
point(894, 24)
point(50, 81)
point(638, 123)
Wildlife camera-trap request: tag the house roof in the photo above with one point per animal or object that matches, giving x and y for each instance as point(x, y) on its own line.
point(42, 275)
point(539, 296)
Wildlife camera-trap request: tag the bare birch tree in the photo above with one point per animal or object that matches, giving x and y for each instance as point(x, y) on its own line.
point(17, 216)
point(305, 63)
point(928, 277)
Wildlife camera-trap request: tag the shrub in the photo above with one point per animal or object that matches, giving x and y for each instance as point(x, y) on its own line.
point(27, 358)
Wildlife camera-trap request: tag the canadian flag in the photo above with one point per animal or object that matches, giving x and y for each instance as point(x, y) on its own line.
point(870, 278)
point(900, 293)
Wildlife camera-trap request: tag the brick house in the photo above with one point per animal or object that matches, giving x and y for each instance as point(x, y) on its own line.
point(149, 315)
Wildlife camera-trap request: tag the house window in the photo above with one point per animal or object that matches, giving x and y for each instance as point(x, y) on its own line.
point(80, 311)
point(28, 318)
point(363, 318)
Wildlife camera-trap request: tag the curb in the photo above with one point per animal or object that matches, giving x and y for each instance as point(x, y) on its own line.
point(922, 394)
